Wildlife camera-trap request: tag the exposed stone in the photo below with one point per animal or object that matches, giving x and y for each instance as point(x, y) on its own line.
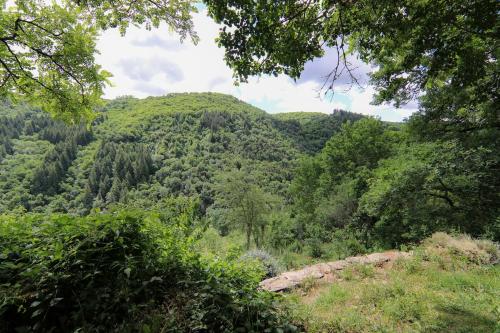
point(291, 279)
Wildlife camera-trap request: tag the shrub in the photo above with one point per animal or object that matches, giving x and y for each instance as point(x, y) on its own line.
point(365, 271)
point(269, 264)
point(314, 247)
point(348, 274)
point(345, 243)
point(410, 308)
point(291, 260)
point(121, 272)
point(281, 232)
point(211, 241)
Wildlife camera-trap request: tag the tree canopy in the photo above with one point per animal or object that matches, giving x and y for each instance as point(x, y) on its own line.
point(444, 51)
point(47, 49)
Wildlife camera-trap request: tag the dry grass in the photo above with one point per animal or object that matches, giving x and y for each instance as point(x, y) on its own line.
point(473, 250)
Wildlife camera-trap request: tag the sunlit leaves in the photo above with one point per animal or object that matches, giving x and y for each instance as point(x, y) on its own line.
point(47, 49)
point(419, 48)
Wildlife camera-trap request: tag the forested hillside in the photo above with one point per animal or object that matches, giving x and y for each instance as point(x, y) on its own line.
point(140, 151)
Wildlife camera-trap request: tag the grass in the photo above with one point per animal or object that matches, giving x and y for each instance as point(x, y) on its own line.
point(449, 285)
point(233, 245)
point(211, 244)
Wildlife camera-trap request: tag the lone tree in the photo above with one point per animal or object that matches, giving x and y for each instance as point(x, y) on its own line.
point(246, 204)
point(48, 48)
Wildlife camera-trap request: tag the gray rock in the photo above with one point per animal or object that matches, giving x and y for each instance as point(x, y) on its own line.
point(288, 280)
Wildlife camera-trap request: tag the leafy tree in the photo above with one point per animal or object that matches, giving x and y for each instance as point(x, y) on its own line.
point(358, 145)
point(337, 209)
point(326, 188)
point(312, 130)
point(447, 50)
point(304, 190)
point(47, 49)
point(434, 187)
point(246, 204)
point(443, 52)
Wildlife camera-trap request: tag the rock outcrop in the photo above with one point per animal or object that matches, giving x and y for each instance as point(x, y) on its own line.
point(291, 279)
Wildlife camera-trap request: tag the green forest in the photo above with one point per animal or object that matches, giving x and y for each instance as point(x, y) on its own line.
point(141, 152)
point(168, 213)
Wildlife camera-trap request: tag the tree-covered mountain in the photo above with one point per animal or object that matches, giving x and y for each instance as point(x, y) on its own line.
point(139, 151)
point(311, 130)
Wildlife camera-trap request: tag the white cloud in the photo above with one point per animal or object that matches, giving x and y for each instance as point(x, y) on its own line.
point(319, 69)
point(149, 89)
point(154, 40)
point(145, 69)
point(154, 62)
point(361, 103)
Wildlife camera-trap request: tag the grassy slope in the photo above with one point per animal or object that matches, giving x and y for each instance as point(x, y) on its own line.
point(448, 286)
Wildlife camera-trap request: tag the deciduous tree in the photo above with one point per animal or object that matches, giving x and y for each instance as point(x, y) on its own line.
point(48, 48)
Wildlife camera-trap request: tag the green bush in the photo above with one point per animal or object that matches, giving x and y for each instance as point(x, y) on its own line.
point(122, 272)
point(269, 264)
point(281, 231)
point(345, 243)
point(314, 247)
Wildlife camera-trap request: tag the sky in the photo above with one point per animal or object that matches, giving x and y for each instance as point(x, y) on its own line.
point(154, 63)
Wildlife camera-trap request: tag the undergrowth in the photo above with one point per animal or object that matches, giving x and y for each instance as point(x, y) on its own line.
point(123, 271)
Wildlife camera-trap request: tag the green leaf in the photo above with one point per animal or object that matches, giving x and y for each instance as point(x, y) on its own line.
point(35, 304)
point(37, 313)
